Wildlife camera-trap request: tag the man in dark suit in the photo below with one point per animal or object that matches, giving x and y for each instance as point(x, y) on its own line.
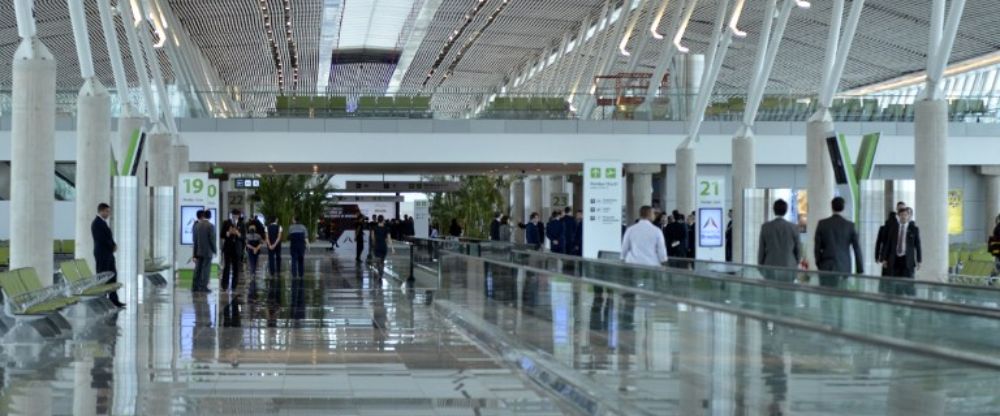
point(554, 231)
point(835, 236)
point(779, 241)
point(578, 235)
point(880, 241)
point(902, 253)
point(204, 251)
point(104, 248)
point(569, 231)
point(675, 235)
point(729, 237)
point(495, 227)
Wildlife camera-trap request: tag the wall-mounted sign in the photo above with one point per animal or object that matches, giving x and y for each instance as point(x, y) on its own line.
point(350, 199)
point(711, 226)
point(602, 207)
point(403, 186)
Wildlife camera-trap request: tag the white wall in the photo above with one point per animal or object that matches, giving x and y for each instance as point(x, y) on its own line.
point(64, 215)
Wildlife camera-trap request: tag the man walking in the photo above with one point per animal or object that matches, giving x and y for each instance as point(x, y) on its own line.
point(104, 248)
point(901, 253)
point(297, 238)
point(835, 236)
point(204, 251)
point(643, 243)
point(779, 240)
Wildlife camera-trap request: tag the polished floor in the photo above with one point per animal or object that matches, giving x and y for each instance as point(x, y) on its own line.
point(339, 342)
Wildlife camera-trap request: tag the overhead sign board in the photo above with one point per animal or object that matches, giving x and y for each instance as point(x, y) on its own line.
point(246, 183)
point(403, 186)
point(348, 199)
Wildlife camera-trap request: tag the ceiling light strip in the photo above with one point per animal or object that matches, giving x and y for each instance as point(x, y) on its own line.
point(468, 44)
point(453, 38)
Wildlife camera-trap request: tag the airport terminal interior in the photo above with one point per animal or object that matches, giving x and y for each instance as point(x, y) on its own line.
point(500, 207)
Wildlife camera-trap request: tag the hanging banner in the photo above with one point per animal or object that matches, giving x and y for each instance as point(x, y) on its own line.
point(421, 218)
point(602, 207)
point(710, 233)
point(956, 205)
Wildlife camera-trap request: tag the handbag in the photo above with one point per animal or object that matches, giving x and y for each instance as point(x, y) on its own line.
point(994, 246)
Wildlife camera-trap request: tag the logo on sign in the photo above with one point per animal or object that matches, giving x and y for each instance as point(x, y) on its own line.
point(595, 173)
point(611, 173)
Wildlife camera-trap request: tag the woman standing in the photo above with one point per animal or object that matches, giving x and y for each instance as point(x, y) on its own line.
point(455, 230)
point(253, 244)
point(504, 230)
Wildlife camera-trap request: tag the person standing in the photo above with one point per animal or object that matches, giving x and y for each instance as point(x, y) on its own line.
point(568, 222)
point(381, 240)
point(676, 234)
point(455, 230)
point(532, 232)
point(231, 247)
point(779, 240)
point(902, 253)
point(204, 251)
point(104, 248)
point(993, 245)
point(729, 237)
point(504, 232)
point(643, 243)
point(835, 236)
point(253, 246)
point(359, 237)
point(495, 227)
point(691, 235)
point(554, 231)
point(274, 234)
point(578, 235)
point(298, 237)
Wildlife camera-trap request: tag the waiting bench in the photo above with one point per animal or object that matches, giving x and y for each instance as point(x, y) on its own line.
point(82, 282)
point(24, 294)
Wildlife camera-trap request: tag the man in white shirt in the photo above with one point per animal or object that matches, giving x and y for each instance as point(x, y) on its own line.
point(643, 242)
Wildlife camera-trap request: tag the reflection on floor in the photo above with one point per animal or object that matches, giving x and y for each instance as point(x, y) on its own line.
point(338, 342)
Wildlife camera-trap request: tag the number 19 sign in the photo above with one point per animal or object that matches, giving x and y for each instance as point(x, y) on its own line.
point(711, 219)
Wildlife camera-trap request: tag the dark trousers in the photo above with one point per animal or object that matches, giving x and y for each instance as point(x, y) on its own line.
point(901, 269)
point(359, 243)
point(231, 267)
point(274, 261)
point(202, 270)
point(252, 262)
point(298, 263)
point(107, 264)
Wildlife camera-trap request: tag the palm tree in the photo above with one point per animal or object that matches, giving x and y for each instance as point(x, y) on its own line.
point(302, 196)
point(473, 205)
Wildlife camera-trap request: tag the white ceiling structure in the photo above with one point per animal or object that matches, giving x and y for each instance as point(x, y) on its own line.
point(463, 50)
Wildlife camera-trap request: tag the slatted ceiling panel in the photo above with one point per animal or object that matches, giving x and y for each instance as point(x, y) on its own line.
point(55, 31)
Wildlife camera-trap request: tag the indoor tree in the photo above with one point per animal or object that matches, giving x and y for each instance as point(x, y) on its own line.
point(303, 196)
point(473, 205)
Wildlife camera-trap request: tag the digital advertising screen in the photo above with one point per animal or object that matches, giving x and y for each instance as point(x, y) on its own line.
point(710, 227)
point(189, 214)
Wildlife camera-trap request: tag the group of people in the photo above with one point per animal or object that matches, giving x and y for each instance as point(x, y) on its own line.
point(563, 231)
point(377, 234)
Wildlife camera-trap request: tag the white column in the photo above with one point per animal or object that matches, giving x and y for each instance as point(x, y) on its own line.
point(124, 221)
point(744, 177)
point(991, 178)
point(93, 158)
point(687, 175)
point(160, 167)
point(505, 197)
point(517, 207)
point(821, 181)
point(129, 127)
point(577, 183)
point(534, 190)
point(84, 396)
point(180, 159)
point(556, 186)
point(640, 187)
point(931, 174)
point(33, 108)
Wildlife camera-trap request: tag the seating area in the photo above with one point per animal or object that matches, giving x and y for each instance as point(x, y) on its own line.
point(972, 264)
point(24, 294)
point(403, 106)
point(787, 108)
point(61, 248)
point(545, 108)
point(82, 282)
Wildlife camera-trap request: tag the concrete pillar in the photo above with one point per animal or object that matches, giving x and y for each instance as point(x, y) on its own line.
point(821, 180)
point(640, 187)
point(505, 201)
point(159, 157)
point(181, 161)
point(991, 176)
point(744, 177)
point(4, 181)
point(517, 207)
point(556, 186)
point(931, 173)
point(664, 188)
point(129, 127)
point(84, 396)
point(93, 156)
point(576, 181)
point(687, 175)
point(534, 190)
point(32, 193)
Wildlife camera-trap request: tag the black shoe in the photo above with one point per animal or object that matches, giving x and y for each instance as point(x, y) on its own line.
point(120, 305)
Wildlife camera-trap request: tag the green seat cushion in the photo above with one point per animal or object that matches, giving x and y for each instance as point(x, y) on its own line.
point(51, 305)
point(70, 271)
point(101, 289)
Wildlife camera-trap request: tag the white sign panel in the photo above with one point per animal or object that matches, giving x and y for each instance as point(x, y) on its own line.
point(710, 234)
point(192, 195)
point(402, 186)
point(602, 207)
point(421, 218)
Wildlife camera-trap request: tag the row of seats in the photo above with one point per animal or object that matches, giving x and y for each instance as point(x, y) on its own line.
point(417, 106)
point(59, 248)
point(970, 260)
point(528, 108)
point(24, 295)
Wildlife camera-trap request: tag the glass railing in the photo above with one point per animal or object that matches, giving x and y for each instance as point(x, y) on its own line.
point(478, 104)
point(620, 344)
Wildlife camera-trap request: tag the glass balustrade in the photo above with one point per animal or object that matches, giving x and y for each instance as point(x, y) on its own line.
point(460, 103)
